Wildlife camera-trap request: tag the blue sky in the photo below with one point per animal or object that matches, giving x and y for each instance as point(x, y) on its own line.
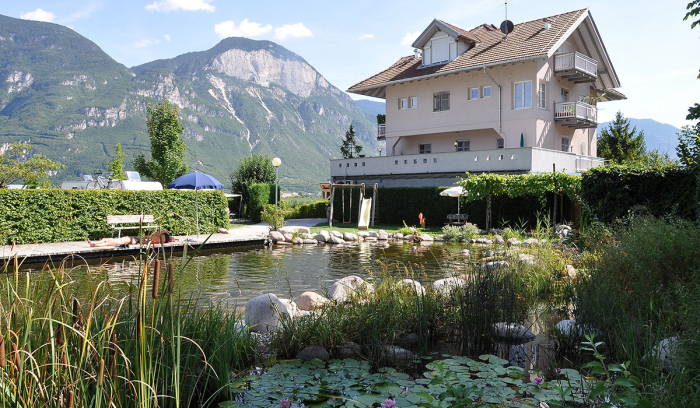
point(655, 53)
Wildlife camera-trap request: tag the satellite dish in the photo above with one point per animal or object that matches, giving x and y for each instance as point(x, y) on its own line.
point(507, 27)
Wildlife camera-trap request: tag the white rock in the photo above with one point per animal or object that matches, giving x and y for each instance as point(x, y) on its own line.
point(491, 266)
point(569, 329)
point(335, 240)
point(397, 353)
point(447, 285)
point(310, 300)
point(374, 234)
point(349, 236)
point(321, 238)
point(383, 236)
point(363, 234)
point(288, 237)
point(298, 240)
point(336, 233)
point(426, 238)
point(513, 332)
point(398, 235)
point(666, 351)
point(513, 241)
point(569, 272)
point(310, 241)
point(371, 239)
point(262, 313)
point(415, 285)
point(223, 231)
point(276, 236)
point(287, 230)
point(526, 259)
point(305, 230)
point(344, 287)
point(465, 252)
point(483, 241)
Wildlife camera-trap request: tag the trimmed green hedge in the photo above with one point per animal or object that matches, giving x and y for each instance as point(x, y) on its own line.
point(259, 195)
point(611, 191)
point(53, 215)
point(314, 210)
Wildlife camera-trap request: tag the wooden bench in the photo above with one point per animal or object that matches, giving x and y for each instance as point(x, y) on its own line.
point(138, 221)
point(457, 219)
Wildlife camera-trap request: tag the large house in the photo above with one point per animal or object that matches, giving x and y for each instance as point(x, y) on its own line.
point(481, 100)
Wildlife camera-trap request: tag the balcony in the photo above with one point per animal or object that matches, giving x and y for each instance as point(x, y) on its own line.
point(381, 132)
point(576, 67)
point(577, 115)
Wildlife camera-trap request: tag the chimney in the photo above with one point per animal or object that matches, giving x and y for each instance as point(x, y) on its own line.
point(547, 24)
point(416, 53)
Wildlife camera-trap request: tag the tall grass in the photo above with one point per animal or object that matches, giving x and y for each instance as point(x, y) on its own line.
point(68, 347)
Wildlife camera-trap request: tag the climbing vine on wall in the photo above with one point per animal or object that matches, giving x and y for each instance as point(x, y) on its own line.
point(517, 185)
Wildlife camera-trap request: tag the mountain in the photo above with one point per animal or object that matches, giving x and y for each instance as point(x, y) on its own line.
point(657, 135)
point(74, 103)
point(371, 108)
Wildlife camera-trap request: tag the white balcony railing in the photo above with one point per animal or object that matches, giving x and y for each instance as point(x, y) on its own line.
point(381, 131)
point(576, 61)
point(575, 111)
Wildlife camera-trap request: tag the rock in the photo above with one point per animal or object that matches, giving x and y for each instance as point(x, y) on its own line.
point(666, 352)
point(410, 338)
point(483, 241)
point(569, 272)
point(383, 236)
point(341, 290)
point(447, 285)
point(489, 254)
point(262, 313)
point(287, 230)
point(313, 352)
point(534, 242)
point(310, 241)
point(310, 300)
point(439, 239)
point(364, 234)
point(349, 350)
point(335, 240)
point(298, 240)
point(335, 233)
point(398, 235)
point(305, 230)
point(526, 259)
point(288, 237)
point(397, 353)
point(513, 241)
point(321, 238)
point(426, 238)
point(349, 236)
point(283, 243)
point(372, 234)
point(570, 330)
point(414, 284)
point(223, 231)
point(371, 239)
point(513, 332)
point(492, 266)
point(465, 252)
point(499, 240)
point(472, 241)
point(276, 236)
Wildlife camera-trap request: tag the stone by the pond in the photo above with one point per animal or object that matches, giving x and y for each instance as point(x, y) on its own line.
point(513, 241)
point(413, 284)
point(342, 289)
point(336, 233)
point(283, 243)
point(410, 338)
point(489, 254)
point(526, 259)
point(262, 313)
point(666, 351)
point(398, 235)
point(397, 353)
point(569, 272)
point(321, 237)
point(223, 231)
point(483, 241)
point(447, 285)
point(310, 241)
point(313, 352)
point(305, 230)
point(533, 242)
point(465, 252)
point(349, 236)
point(288, 237)
point(309, 301)
point(383, 236)
point(371, 233)
point(513, 332)
point(298, 240)
point(499, 240)
point(569, 329)
point(276, 236)
point(426, 238)
point(349, 350)
point(363, 234)
point(371, 239)
point(335, 240)
point(492, 266)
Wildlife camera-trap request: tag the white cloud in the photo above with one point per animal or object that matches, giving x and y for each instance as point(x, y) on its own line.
point(366, 36)
point(409, 38)
point(167, 37)
point(292, 30)
point(245, 29)
point(146, 42)
point(84, 12)
point(186, 5)
point(38, 15)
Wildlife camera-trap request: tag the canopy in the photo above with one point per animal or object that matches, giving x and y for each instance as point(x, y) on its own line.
point(454, 192)
point(196, 181)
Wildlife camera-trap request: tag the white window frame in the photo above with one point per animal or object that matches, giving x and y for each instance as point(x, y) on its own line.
point(462, 145)
point(438, 106)
point(542, 96)
point(500, 143)
point(403, 103)
point(424, 148)
point(567, 144)
point(471, 94)
point(483, 92)
point(412, 102)
point(526, 102)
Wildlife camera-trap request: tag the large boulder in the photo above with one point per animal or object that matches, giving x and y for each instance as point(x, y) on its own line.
point(344, 287)
point(305, 230)
point(349, 350)
point(398, 235)
point(513, 332)
point(415, 285)
point(336, 233)
point(263, 313)
point(383, 236)
point(567, 330)
point(298, 241)
point(492, 266)
point(335, 240)
point(569, 272)
point(288, 237)
point(310, 300)
point(527, 259)
point(513, 242)
point(313, 352)
point(447, 285)
point(427, 238)
point(666, 352)
point(397, 353)
point(322, 236)
point(310, 241)
point(349, 236)
point(364, 234)
point(483, 241)
point(276, 236)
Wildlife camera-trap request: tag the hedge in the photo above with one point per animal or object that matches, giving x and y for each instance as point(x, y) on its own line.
point(54, 215)
point(314, 210)
point(398, 204)
point(259, 195)
point(610, 192)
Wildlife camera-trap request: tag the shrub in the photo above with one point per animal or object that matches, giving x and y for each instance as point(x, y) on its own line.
point(273, 215)
point(259, 195)
point(460, 232)
point(314, 210)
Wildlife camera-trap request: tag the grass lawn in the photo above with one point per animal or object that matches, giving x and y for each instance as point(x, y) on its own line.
point(339, 226)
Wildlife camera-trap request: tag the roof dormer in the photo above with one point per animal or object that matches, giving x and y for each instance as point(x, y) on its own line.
point(442, 42)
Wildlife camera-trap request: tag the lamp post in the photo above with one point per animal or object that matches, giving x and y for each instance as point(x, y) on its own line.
point(380, 152)
point(276, 162)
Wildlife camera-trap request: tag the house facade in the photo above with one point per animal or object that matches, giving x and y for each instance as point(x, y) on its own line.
point(481, 100)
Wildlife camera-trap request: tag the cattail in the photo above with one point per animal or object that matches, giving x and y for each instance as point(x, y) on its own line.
point(112, 354)
point(102, 372)
point(64, 359)
point(15, 354)
point(69, 404)
point(156, 279)
point(170, 278)
point(58, 335)
point(2, 351)
point(77, 321)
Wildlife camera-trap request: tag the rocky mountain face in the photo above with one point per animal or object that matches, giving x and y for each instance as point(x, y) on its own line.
point(74, 103)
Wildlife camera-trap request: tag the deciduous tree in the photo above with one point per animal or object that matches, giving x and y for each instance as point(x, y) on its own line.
point(116, 165)
point(17, 163)
point(256, 168)
point(619, 144)
point(167, 160)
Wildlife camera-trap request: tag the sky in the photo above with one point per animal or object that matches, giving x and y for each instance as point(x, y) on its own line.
point(655, 53)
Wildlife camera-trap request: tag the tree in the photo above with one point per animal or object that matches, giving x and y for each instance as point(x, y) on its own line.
point(18, 164)
point(619, 144)
point(256, 168)
point(693, 11)
point(688, 148)
point(116, 165)
point(167, 160)
point(350, 148)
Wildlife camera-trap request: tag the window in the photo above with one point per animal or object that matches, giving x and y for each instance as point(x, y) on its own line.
point(565, 141)
point(523, 95)
point(424, 148)
point(441, 102)
point(500, 143)
point(414, 102)
point(486, 92)
point(474, 94)
point(564, 95)
point(543, 96)
point(584, 150)
point(403, 103)
point(462, 145)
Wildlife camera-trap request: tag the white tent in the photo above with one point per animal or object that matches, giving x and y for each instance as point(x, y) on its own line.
point(454, 192)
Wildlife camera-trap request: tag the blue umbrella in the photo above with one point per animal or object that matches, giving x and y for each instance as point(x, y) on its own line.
point(196, 181)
